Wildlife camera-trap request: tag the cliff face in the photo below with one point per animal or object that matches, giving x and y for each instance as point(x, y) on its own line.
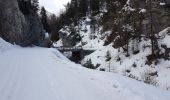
point(15, 27)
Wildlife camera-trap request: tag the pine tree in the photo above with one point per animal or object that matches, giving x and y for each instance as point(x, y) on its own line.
point(83, 7)
point(95, 5)
point(89, 64)
point(28, 6)
point(108, 56)
point(136, 22)
point(25, 6)
point(35, 5)
point(44, 19)
point(152, 32)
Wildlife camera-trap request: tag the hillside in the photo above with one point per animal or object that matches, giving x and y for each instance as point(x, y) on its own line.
point(135, 66)
point(130, 37)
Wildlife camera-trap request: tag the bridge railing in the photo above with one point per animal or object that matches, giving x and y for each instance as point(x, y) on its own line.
point(70, 48)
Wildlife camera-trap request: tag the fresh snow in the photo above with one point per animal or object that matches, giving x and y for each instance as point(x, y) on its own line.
point(45, 74)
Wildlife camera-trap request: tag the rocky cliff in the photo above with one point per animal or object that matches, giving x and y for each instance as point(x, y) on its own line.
point(16, 27)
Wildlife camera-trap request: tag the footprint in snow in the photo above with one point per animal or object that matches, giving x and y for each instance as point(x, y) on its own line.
point(117, 87)
point(92, 79)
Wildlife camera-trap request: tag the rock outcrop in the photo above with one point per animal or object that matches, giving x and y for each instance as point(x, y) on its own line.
point(15, 27)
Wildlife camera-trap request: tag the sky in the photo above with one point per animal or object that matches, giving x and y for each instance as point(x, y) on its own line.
point(53, 6)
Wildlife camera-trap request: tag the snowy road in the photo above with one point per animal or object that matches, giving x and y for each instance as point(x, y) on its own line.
point(44, 74)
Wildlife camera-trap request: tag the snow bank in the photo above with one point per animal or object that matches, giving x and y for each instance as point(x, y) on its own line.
point(165, 37)
point(4, 45)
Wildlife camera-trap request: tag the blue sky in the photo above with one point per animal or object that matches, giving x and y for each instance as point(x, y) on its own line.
point(53, 6)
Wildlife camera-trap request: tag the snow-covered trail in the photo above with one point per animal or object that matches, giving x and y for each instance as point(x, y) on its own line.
point(44, 74)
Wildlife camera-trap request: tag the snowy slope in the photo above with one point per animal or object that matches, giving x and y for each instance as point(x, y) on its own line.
point(135, 65)
point(44, 74)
